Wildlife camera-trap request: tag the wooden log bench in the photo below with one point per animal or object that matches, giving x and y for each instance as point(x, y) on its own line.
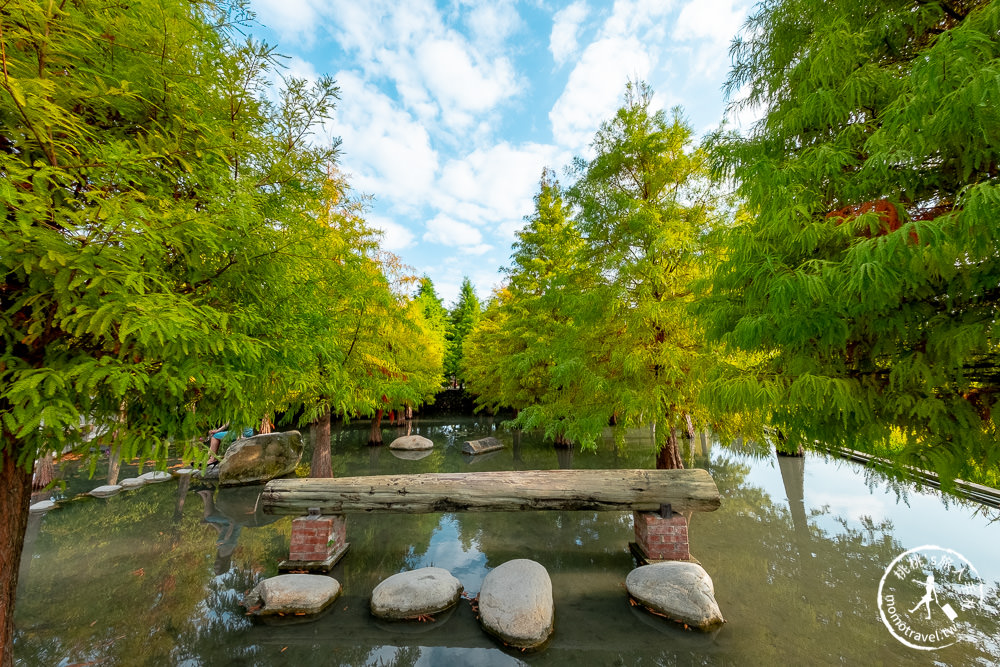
point(658, 499)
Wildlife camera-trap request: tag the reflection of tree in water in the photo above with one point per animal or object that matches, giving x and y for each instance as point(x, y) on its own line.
point(112, 580)
point(792, 593)
point(817, 587)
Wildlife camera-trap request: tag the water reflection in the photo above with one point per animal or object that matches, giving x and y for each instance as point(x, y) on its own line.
point(155, 576)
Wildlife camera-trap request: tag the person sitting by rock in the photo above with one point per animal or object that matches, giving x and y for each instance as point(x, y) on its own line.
point(215, 438)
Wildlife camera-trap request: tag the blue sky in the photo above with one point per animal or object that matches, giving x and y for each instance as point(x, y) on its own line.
point(450, 110)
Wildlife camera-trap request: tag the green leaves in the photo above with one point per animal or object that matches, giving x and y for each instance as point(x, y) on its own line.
point(877, 321)
point(594, 324)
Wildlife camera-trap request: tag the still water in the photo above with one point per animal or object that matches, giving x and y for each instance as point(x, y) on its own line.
point(155, 576)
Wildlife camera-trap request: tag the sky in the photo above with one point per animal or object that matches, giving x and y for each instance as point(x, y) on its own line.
point(450, 110)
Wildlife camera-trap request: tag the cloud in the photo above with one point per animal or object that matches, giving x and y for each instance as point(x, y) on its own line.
point(395, 237)
point(293, 20)
point(716, 20)
point(565, 25)
point(494, 186)
point(638, 18)
point(450, 232)
point(438, 73)
point(595, 88)
point(454, 78)
point(492, 23)
point(385, 150)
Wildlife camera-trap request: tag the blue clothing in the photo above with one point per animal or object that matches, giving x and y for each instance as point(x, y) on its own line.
point(247, 432)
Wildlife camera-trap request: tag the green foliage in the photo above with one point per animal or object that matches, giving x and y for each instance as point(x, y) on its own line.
point(595, 323)
point(463, 317)
point(508, 353)
point(864, 287)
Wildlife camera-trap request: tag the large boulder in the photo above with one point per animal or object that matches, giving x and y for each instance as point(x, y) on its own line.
point(422, 592)
point(292, 594)
point(411, 442)
point(515, 603)
point(260, 458)
point(682, 592)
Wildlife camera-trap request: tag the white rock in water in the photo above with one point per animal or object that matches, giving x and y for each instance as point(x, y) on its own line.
point(132, 483)
point(680, 591)
point(185, 471)
point(155, 476)
point(515, 603)
point(42, 506)
point(293, 593)
point(429, 590)
point(106, 490)
point(411, 442)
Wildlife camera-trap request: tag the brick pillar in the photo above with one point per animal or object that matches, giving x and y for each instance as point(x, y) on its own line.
point(661, 539)
point(318, 542)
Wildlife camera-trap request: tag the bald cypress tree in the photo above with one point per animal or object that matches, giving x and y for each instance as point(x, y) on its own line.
point(864, 286)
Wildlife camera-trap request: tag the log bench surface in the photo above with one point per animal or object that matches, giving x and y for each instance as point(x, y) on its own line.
point(497, 491)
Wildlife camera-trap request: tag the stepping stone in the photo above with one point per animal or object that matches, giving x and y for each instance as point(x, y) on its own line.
point(682, 592)
point(132, 483)
point(423, 592)
point(411, 442)
point(106, 490)
point(42, 506)
point(155, 476)
point(180, 472)
point(515, 603)
point(292, 594)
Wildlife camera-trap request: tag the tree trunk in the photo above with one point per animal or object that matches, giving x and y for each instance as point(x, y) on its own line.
point(497, 491)
point(114, 460)
point(793, 474)
point(45, 472)
point(669, 457)
point(15, 491)
point(115, 455)
point(321, 463)
point(375, 437)
point(561, 442)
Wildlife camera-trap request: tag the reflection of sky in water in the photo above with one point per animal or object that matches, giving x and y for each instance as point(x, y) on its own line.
point(446, 551)
point(430, 656)
point(917, 517)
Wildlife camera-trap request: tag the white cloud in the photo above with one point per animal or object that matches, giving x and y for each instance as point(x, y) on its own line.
point(455, 80)
point(716, 20)
point(293, 20)
point(495, 185)
point(565, 25)
point(595, 88)
point(439, 74)
point(492, 23)
point(385, 150)
point(395, 237)
point(447, 231)
point(709, 25)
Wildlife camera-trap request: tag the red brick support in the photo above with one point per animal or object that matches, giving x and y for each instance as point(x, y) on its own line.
point(317, 538)
point(662, 539)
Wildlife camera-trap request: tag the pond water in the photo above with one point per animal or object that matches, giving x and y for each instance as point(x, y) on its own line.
point(155, 576)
